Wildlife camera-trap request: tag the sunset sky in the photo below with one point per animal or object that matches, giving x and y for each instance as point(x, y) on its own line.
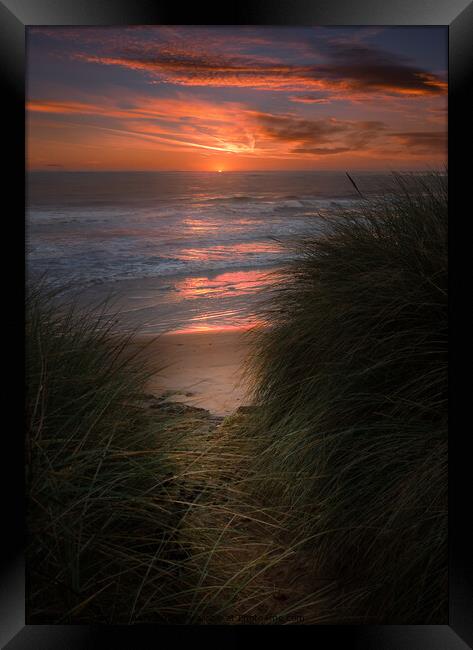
point(236, 98)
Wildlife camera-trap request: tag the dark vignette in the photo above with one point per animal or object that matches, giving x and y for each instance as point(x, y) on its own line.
point(20, 13)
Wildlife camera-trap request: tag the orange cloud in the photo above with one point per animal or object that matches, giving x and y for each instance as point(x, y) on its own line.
point(309, 99)
point(141, 107)
point(372, 71)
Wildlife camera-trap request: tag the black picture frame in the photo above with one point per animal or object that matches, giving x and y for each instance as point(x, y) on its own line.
point(15, 16)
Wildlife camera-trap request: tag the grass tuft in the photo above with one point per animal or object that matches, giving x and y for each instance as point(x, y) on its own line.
point(350, 376)
point(103, 516)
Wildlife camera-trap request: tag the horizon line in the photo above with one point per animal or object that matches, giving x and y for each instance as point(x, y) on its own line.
point(230, 171)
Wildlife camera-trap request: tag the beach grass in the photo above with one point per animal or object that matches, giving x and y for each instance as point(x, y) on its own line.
point(350, 378)
point(103, 509)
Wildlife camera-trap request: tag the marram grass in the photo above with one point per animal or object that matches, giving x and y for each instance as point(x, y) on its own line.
point(102, 503)
point(351, 380)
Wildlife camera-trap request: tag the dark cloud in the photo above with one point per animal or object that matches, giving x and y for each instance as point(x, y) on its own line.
point(321, 151)
point(311, 136)
point(422, 141)
point(370, 67)
point(293, 129)
point(383, 76)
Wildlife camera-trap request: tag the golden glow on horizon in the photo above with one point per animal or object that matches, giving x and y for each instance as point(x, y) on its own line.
point(255, 141)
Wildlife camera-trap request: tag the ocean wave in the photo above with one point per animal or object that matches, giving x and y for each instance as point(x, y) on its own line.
point(160, 226)
point(94, 271)
point(233, 198)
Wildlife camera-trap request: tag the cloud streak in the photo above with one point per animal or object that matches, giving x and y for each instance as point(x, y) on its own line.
point(182, 123)
point(368, 72)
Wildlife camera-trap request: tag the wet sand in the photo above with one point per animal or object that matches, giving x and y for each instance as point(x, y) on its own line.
point(202, 369)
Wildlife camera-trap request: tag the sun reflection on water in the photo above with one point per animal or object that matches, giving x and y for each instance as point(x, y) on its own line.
point(222, 285)
point(221, 251)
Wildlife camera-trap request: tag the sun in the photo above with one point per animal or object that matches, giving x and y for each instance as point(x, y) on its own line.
point(219, 171)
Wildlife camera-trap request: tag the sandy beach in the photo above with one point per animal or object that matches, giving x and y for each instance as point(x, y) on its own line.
point(202, 369)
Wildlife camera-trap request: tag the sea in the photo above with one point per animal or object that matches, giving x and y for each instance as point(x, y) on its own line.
point(177, 251)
